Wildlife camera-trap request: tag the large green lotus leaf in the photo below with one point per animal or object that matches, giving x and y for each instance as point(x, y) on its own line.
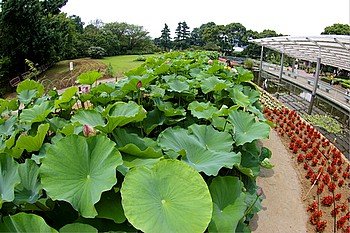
point(23, 222)
point(239, 98)
point(88, 117)
point(10, 105)
point(33, 143)
point(162, 69)
point(229, 203)
point(169, 109)
point(169, 197)
point(157, 91)
point(202, 149)
point(244, 75)
point(79, 228)
point(66, 98)
point(110, 207)
point(7, 128)
point(72, 128)
point(154, 118)
point(30, 85)
point(212, 84)
point(212, 139)
point(38, 113)
point(202, 110)
point(136, 71)
point(57, 123)
point(177, 85)
point(132, 144)
point(250, 159)
point(130, 84)
point(89, 163)
point(26, 96)
point(9, 178)
point(89, 77)
point(103, 87)
point(253, 95)
point(246, 129)
point(120, 114)
point(29, 190)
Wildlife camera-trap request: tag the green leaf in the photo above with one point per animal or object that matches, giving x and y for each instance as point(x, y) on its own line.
point(173, 197)
point(26, 96)
point(267, 164)
point(132, 144)
point(79, 228)
point(90, 163)
point(7, 128)
point(89, 77)
point(23, 222)
point(178, 85)
point(212, 84)
point(33, 143)
point(57, 123)
point(120, 114)
point(10, 105)
point(154, 118)
point(202, 110)
point(229, 204)
point(246, 129)
point(9, 178)
point(168, 108)
point(38, 113)
point(28, 85)
point(89, 117)
point(244, 75)
point(239, 98)
point(66, 98)
point(203, 147)
point(110, 207)
point(29, 190)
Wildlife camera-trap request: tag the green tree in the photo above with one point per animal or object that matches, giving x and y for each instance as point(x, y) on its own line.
point(34, 30)
point(182, 39)
point(236, 33)
point(337, 29)
point(165, 39)
point(195, 37)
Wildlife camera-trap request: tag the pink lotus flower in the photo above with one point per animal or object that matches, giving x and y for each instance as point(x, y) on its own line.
point(88, 131)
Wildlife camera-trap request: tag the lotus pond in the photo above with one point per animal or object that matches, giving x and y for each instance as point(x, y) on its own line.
point(173, 147)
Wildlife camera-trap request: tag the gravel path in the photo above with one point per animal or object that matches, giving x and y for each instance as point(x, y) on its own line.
point(283, 210)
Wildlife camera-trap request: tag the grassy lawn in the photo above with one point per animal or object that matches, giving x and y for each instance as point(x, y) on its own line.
point(123, 63)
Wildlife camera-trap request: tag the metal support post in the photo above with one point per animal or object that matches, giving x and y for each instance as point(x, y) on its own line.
point(313, 94)
point(261, 64)
point(281, 70)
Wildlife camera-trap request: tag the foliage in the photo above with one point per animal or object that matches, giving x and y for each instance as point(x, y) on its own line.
point(337, 29)
point(96, 52)
point(177, 136)
point(165, 39)
point(248, 64)
point(327, 122)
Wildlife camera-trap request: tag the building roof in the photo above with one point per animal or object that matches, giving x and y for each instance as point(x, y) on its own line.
point(334, 50)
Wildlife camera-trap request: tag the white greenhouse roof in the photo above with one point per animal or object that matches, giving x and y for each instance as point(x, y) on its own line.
point(334, 50)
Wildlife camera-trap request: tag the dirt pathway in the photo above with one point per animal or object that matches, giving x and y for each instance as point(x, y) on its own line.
point(283, 210)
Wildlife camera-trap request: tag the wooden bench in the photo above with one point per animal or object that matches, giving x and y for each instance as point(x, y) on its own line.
point(15, 81)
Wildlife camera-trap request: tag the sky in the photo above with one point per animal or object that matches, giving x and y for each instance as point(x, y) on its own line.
point(293, 17)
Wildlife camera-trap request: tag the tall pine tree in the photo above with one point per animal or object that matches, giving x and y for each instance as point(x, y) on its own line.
point(165, 39)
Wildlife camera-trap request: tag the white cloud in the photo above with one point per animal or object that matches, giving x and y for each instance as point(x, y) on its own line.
point(297, 17)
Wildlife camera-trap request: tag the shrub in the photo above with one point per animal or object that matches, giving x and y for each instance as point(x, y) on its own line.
point(96, 52)
point(248, 64)
point(140, 58)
